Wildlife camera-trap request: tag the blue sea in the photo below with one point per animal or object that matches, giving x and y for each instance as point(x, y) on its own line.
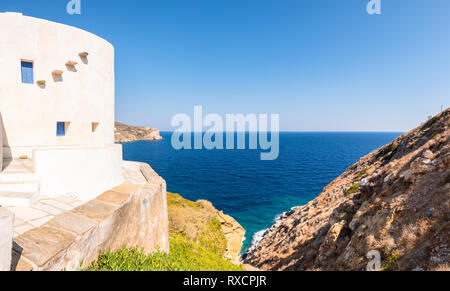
point(255, 192)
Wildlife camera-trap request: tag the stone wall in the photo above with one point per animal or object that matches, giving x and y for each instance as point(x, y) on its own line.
point(6, 236)
point(128, 215)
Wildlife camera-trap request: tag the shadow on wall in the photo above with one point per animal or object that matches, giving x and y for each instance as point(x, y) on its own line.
point(5, 150)
point(71, 68)
point(84, 60)
point(57, 78)
point(15, 256)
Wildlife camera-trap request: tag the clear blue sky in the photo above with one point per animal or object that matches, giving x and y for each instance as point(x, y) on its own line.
point(320, 64)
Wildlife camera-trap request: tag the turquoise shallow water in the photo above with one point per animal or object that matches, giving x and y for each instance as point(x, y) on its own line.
point(254, 192)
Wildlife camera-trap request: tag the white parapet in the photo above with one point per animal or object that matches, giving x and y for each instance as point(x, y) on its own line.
point(6, 237)
point(83, 172)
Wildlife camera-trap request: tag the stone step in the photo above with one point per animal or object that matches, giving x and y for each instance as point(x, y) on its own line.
point(19, 186)
point(21, 199)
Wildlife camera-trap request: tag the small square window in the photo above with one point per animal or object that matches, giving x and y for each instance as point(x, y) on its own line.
point(61, 128)
point(95, 126)
point(27, 72)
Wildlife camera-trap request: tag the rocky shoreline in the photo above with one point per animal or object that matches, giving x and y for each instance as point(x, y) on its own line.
point(395, 201)
point(235, 235)
point(127, 133)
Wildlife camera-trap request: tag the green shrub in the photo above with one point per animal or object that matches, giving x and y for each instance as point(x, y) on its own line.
point(353, 189)
point(213, 239)
point(391, 260)
point(184, 255)
point(176, 201)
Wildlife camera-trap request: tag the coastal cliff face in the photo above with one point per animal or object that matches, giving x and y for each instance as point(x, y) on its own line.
point(128, 133)
point(235, 235)
point(394, 201)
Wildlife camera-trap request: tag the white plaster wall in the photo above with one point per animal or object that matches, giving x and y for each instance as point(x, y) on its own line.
point(79, 171)
point(6, 238)
point(1, 146)
point(29, 112)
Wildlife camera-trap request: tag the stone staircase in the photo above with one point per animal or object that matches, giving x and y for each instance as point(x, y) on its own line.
point(19, 185)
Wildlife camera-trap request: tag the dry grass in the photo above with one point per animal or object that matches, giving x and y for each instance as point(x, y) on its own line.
point(187, 217)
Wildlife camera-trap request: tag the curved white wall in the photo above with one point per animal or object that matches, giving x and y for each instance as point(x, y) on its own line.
point(83, 95)
point(83, 163)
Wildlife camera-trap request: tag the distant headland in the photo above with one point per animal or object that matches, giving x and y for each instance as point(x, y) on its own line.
point(129, 133)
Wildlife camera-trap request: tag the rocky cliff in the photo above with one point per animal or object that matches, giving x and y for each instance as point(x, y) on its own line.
point(235, 235)
point(128, 133)
point(394, 201)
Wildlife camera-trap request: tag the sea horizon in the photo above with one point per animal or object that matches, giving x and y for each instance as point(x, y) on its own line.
point(252, 191)
point(290, 131)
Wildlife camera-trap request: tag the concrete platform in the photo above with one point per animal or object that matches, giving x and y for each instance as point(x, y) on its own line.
point(26, 199)
point(33, 210)
point(42, 210)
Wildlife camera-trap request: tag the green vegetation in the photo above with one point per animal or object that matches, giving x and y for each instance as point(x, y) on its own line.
point(353, 189)
point(176, 201)
point(189, 218)
point(196, 243)
point(360, 174)
point(391, 260)
point(184, 255)
point(213, 238)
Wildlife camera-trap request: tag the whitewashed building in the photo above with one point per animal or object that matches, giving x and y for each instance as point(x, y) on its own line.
point(56, 111)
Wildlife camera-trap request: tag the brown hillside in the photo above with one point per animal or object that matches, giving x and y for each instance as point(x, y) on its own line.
point(394, 200)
